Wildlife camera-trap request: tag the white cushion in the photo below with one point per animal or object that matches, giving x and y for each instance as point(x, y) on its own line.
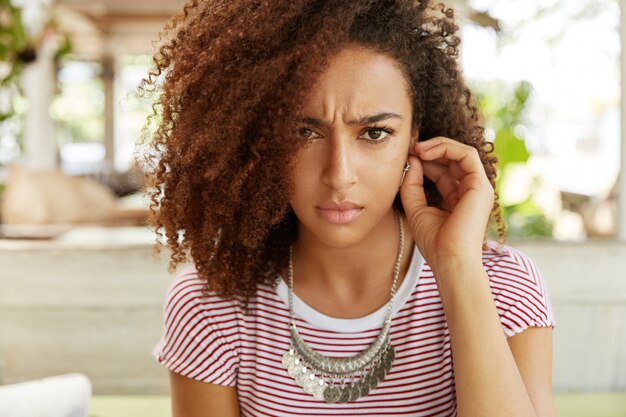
point(57, 396)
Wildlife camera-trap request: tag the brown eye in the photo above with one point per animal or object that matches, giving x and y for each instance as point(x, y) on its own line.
point(305, 132)
point(377, 134)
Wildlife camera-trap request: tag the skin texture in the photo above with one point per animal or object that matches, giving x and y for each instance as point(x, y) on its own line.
point(192, 398)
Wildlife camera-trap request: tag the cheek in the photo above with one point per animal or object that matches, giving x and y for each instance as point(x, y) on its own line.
point(383, 179)
point(302, 172)
point(386, 163)
point(302, 179)
point(307, 161)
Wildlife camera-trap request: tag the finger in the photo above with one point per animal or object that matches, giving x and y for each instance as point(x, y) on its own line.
point(465, 156)
point(438, 140)
point(456, 170)
point(451, 199)
point(427, 143)
point(441, 176)
point(453, 166)
point(419, 147)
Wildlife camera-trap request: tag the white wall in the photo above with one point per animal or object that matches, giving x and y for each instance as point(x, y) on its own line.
point(92, 311)
point(587, 283)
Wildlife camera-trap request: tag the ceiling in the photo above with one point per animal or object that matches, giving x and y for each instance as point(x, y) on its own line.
point(114, 27)
point(125, 8)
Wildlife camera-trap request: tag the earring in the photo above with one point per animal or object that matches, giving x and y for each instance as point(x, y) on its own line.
point(406, 168)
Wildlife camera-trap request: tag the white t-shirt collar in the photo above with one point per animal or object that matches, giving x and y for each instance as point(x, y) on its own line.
point(371, 321)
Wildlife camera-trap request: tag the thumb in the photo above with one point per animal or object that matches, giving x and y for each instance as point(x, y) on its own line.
point(412, 188)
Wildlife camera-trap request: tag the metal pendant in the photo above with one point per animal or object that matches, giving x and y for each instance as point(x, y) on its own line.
point(314, 386)
point(332, 394)
point(364, 388)
point(293, 368)
point(380, 373)
point(345, 395)
point(288, 358)
point(306, 377)
point(355, 392)
point(302, 375)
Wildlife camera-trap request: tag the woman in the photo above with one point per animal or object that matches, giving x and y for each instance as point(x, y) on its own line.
point(324, 166)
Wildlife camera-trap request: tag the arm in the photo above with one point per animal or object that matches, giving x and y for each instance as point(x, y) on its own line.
point(192, 398)
point(532, 350)
point(492, 375)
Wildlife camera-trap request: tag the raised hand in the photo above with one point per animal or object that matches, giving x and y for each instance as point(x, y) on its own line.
point(456, 234)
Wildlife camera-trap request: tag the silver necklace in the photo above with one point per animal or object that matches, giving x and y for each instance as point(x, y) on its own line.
point(339, 380)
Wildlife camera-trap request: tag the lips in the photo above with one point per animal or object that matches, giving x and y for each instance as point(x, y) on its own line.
point(343, 206)
point(339, 213)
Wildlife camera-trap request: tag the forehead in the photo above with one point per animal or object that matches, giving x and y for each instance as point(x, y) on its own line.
point(359, 78)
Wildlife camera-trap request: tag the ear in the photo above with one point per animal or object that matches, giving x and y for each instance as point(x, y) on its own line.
point(415, 133)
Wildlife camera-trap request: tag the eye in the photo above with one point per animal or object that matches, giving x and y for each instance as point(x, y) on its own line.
point(378, 134)
point(306, 133)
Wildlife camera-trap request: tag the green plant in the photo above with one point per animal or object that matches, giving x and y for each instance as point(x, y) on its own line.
point(18, 49)
point(503, 109)
point(13, 49)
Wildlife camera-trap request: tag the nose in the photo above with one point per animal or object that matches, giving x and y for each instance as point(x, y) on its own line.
point(340, 164)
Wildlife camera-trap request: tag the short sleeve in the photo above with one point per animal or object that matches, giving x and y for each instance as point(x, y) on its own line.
point(200, 333)
point(519, 290)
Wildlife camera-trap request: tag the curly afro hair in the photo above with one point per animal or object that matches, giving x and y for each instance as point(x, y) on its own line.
point(230, 78)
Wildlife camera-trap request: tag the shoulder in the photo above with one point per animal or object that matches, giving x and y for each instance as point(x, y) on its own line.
point(187, 292)
point(200, 337)
point(509, 263)
point(518, 287)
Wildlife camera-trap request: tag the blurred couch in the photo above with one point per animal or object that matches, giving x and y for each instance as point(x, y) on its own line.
point(52, 198)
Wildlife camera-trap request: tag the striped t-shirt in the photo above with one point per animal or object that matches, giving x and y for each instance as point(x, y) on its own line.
point(215, 341)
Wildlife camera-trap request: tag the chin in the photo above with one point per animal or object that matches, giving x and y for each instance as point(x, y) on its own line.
point(337, 238)
point(336, 235)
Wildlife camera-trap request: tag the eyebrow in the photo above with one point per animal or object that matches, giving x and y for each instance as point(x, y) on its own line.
point(365, 120)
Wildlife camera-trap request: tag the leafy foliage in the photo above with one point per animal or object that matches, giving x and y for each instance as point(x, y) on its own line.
point(503, 109)
point(13, 44)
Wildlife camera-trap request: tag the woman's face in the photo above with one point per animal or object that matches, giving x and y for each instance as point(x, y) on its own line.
point(357, 126)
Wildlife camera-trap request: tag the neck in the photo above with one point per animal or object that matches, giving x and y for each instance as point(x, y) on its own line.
point(352, 273)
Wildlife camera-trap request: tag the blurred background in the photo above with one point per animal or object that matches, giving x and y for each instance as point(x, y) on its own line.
point(81, 293)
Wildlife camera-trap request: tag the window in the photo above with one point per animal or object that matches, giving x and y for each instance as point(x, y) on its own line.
point(131, 111)
point(78, 113)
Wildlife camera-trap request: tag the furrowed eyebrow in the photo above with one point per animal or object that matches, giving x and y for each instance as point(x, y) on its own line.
point(365, 120)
